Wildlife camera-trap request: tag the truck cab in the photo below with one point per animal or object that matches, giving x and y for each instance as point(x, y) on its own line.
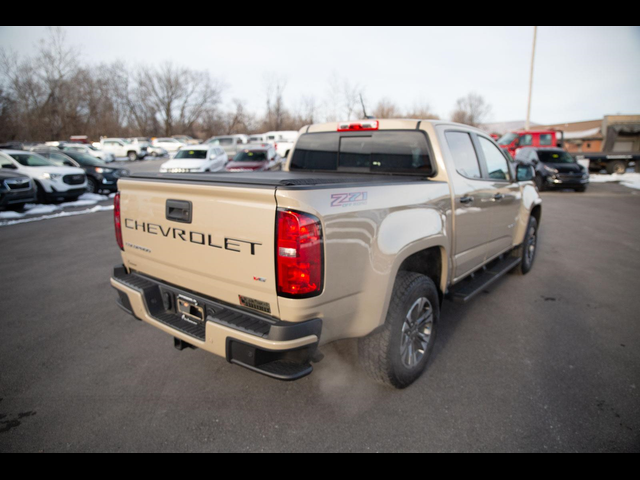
point(513, 141)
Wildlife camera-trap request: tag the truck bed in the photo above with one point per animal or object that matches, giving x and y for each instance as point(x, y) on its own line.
point(282, 179)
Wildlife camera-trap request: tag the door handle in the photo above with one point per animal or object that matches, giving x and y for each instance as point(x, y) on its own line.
point(466, 200)
point(498, 197)
point(179, 211)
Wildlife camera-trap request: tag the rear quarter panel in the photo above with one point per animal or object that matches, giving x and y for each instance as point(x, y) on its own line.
point(369, 232)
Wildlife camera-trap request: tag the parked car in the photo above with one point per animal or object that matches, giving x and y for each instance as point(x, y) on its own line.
point(257, 139)
point(362, 236)
point(15, 189)
point(100, 176)
point(53, 183)
point(88, 150)
point(283, 141)
point(554, 168)
point(513, 141)
point(255, 158)
point(171, 145)
point(197, 159)
point(152, 150)
point(186, 139)
point(232, 144)
point(122, 148)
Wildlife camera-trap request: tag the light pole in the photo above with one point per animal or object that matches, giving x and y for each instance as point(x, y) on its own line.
point(533, 56)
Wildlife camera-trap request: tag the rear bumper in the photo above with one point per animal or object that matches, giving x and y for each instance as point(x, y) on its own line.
point(278, 349)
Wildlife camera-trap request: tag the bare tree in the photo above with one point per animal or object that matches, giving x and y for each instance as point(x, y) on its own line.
point(178, 96)
point(471, 110)
point(343, 102)
point(421, 111)
point(276, 112)
point(387, 109)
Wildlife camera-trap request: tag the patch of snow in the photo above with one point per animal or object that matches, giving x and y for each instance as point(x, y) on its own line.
point(78, 203)
point(629, 180)
point(41, 209)
point(94, 197)
point(97, 208)
point(10, 214)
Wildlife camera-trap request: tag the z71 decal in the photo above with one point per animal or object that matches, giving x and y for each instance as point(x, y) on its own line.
point(349, 199)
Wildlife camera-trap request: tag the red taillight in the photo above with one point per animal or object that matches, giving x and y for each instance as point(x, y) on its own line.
point(116, 220)
point(363, 126)
point(299, 254)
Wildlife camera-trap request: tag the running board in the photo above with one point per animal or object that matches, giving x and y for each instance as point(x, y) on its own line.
point(472, 286)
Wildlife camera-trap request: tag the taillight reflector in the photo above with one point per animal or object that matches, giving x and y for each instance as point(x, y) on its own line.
point(299, 254)
point(117, 221)
point(363, 126)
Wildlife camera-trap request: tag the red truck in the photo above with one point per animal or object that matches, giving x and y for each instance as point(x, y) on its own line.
point(512, 141)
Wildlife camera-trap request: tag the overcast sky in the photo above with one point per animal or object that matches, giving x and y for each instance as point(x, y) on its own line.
point(581, 73)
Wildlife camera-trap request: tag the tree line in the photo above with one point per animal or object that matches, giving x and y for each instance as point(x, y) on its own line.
point(52, 95)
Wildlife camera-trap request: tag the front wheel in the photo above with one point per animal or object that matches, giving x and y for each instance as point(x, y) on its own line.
point(92, 186)
point(397, 353)
point(540, 183)
point(527, 251)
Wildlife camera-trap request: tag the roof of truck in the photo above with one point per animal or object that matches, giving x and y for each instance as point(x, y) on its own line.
point(383, 124)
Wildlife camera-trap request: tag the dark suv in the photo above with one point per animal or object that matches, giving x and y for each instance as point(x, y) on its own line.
point(100, 176)
point(554, 168)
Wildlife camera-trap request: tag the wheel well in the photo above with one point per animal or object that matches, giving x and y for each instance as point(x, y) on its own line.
point(426, 262)
point(537, 213)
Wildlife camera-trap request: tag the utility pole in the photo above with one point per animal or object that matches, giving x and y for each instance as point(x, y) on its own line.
point(533, 56)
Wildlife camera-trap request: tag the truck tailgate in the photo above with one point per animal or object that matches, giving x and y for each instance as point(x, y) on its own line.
point(215, 240)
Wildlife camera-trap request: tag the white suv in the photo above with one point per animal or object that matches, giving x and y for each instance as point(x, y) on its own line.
point(53, 183)
point(197, 158)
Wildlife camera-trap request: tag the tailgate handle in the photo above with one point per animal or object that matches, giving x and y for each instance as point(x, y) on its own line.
point(179, 211)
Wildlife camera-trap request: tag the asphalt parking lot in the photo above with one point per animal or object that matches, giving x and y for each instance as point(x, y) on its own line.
point(546, 362)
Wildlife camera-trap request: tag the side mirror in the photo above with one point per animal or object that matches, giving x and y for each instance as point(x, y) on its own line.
point(9, 166)
point(525, 173)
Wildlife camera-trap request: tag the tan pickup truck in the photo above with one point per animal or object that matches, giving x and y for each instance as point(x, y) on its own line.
point(371, 225)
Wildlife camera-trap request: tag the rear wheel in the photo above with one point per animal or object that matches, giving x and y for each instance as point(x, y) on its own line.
point(132, 156)
point(397, 353)
point(617, 166)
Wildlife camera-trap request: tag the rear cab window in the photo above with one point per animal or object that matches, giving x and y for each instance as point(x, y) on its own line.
point(386, 151)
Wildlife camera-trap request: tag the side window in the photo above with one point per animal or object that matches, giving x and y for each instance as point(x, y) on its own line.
point(545, 139)
point(464, 155)
point(496, 162)
point(526, 140)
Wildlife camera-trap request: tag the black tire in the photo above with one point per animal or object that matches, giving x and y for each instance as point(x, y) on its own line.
point(581, 189)
point(540, 183)
point(637, 166)
point(41, 194)
point(132, 156)
point(381, 353)
point(154, 154)
point(92, 185)
point(617, 166)
point(527, 255)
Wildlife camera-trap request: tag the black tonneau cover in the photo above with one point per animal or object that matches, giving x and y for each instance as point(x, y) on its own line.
point(281, 179)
